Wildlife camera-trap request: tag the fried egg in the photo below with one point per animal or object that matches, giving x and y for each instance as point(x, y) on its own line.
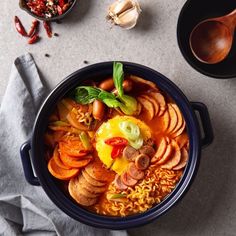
point(111, 129)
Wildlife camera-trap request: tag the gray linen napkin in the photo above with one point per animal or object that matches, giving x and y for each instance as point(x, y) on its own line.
point(26, 209)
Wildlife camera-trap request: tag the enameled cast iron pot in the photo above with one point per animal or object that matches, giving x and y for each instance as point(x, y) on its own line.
point(50, 184)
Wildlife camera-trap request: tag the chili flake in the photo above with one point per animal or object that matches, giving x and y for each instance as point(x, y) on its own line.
point(49, 8)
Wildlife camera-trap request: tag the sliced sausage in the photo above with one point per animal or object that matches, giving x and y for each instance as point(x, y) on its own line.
point(130, 153)
point(89, 187)
point(174, 158)
point(119, 184)
point(91, 180)
point(98, 110)
point(97, 171)
point(134, 172)
point(83, 188)
point(149, 142)
point(78, 197)
point(107, 84)
point(127, 86)
point(166, 155)
point(142, 161)
point(128, 180)
point(183, 160)
point(147, 150)
point(160, 151)
point(87, 193)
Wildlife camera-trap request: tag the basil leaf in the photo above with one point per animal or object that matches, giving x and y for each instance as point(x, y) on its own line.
point(118, 77)
point(105, 95)
point(86, 94)
point(113, 103)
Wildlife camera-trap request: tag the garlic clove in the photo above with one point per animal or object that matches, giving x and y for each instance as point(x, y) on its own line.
point(128, 19)
point(119, 7)
point(124, 13)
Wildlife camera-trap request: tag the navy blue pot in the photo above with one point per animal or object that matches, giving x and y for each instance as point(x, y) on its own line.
point(50, 185)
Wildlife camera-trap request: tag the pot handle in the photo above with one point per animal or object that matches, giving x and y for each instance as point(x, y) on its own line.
point(27, 166)
point(205, 122)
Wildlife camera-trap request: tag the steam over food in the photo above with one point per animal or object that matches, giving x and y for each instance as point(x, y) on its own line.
point(117, 147)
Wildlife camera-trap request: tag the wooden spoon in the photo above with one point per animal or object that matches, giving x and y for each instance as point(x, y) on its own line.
point(211, 40)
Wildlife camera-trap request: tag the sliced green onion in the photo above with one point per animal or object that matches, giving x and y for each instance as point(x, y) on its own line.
point(129, 129)
point(114, 196)
point(59, 123)
point(85, 140)
point(138, 143)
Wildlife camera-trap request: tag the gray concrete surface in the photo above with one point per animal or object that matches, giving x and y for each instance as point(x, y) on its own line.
point(209, 208)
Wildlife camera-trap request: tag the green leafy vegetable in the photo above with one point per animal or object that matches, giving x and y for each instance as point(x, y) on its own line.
point(118, 77)
point(87, 94)
point(106, 95)
point(85, 140)
point(113, 103)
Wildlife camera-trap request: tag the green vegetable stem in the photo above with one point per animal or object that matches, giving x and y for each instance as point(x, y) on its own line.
point(87, 94)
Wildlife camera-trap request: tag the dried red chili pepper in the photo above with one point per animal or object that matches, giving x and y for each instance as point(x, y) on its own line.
point(33, 39)
point(34, 28)
point(48, 29)
point(19, 27)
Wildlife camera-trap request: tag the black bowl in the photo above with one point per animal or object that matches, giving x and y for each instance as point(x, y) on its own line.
point(51, 185)
point(193, 12)
point(23, 6)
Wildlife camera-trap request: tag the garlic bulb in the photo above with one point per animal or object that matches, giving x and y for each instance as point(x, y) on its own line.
point(124, 13)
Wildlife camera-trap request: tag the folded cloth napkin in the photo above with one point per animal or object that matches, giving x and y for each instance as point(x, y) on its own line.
point(26, 209)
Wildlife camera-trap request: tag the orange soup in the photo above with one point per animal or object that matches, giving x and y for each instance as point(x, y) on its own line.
point(119, 146)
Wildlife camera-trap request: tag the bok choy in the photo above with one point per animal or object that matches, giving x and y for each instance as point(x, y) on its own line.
point(126, 103)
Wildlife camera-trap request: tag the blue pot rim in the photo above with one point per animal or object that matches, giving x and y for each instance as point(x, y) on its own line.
point(66, 204)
